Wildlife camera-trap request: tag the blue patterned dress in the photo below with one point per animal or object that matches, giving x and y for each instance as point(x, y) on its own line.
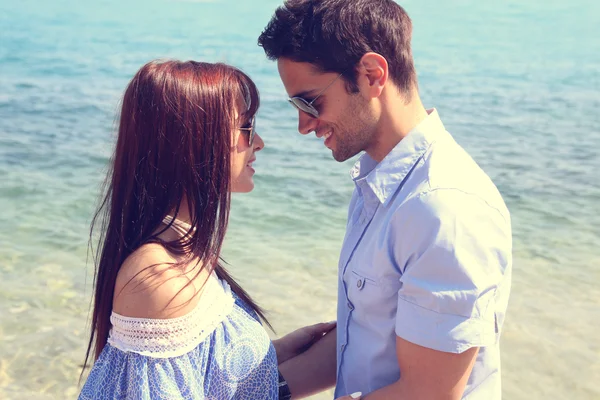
point(218, 351)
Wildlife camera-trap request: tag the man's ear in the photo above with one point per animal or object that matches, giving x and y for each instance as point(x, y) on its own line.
point(373, 74)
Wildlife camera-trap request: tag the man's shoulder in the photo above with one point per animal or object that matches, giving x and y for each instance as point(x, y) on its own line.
point(449, 171)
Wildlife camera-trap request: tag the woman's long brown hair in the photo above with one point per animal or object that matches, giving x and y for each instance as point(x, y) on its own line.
point(174, 142)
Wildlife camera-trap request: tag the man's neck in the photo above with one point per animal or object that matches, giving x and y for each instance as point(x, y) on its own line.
point(397, 119)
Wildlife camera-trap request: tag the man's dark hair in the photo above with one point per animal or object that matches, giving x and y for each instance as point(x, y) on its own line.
point(333, 35)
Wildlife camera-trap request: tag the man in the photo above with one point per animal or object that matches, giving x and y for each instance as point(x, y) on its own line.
point(424, 271)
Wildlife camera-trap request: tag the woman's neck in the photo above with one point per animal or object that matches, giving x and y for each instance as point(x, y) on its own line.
point(183, 214)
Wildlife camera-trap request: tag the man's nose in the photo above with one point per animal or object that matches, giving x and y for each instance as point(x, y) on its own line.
point(306, 123)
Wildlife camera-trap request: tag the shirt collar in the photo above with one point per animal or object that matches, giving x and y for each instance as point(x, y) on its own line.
point(385, 177)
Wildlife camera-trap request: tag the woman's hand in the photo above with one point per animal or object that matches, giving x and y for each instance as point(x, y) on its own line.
point(300, 340)
point(353, 396)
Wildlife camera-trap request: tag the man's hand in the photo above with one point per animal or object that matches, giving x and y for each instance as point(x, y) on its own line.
point(300, 340)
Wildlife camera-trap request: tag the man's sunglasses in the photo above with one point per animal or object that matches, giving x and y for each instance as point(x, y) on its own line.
point(251, 131)
point(306, 106)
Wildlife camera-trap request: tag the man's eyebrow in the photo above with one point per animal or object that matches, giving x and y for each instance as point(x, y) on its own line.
point(306, 94)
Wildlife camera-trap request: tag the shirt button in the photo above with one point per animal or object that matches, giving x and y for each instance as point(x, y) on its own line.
point(350, 306)
point(342, 347)
point(360, 283)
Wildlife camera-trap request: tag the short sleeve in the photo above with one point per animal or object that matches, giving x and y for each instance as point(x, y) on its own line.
point(124, 375)
point(224, 366)
point(455, 255)
point(217, 351)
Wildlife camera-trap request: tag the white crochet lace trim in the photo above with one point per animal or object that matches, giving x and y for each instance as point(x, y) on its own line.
point(173, 337)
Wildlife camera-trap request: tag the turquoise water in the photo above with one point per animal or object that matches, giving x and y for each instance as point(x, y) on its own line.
point(517, 83)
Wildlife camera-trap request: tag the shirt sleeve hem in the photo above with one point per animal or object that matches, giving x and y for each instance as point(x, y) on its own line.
point(442, 332)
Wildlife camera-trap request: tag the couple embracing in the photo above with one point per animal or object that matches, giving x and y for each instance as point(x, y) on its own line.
point(425, 267)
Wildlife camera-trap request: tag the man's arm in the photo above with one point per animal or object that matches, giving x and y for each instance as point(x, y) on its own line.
point(459, 249)
point(314, 370)
point(427, 374)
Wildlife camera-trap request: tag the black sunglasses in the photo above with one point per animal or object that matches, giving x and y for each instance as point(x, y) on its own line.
point(251, 131)
point(306, 106)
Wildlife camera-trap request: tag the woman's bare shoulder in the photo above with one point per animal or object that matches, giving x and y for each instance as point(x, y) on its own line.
point(150, 285)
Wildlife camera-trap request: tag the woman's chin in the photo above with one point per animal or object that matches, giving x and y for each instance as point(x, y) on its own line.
point(243, 187)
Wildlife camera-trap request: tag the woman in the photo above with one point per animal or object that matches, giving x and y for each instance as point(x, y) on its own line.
point(168, 321)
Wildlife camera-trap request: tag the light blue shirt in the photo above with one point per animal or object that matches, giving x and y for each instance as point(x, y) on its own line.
point(426, 257)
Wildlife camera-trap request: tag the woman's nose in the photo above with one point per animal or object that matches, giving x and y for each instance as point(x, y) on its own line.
point(258, 143)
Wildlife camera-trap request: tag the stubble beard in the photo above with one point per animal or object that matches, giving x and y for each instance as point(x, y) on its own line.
point(356, 131)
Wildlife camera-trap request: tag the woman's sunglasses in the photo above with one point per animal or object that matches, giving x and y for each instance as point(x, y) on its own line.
point(306, 106)
point(251, 131)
